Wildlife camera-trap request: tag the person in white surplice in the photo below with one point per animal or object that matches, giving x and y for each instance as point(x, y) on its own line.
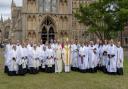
point(23, 60)
point(58, 58)
point(83, 58)
point(12, 64)
point(92, 57)
point(112, 55)
point(120, 59)
point(34, 60)
point(7, 51)
point(50, 62)
point(43, 57)
point(105, 56)
point(75, 55)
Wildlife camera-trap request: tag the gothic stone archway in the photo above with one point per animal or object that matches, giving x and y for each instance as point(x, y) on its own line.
point(47, 30)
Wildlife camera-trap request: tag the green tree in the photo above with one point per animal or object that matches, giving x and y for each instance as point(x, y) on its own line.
point(104, 17)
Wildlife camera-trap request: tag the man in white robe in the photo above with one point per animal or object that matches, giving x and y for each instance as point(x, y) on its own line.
point(75, 55)
point(23, 61)
point(105, 57)
point(83, 58)
point(43, 57)
point(67, 57)
point(120, 59)
point(50, 62)
point(7, 51)
point(97, 46)
point(39, 50)
point(12, 64)
point(30, 49)
point(58, 58)
point(34, 60)
point(99, 53)
point(92, 57)
point(112, 54)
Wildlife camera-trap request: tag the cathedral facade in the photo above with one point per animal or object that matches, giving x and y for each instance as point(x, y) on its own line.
point(44, 20)
point(47, 19)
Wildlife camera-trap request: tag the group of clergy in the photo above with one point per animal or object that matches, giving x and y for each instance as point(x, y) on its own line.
point(56, 57)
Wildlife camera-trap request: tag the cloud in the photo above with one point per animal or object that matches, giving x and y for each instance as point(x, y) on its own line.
point(5, 7)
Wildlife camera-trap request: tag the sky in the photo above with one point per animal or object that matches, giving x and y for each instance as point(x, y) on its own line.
point(5, 7)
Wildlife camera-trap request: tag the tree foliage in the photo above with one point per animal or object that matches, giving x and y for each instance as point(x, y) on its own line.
point(104, 17)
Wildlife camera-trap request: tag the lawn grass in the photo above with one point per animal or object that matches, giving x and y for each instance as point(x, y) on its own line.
point(73, 80)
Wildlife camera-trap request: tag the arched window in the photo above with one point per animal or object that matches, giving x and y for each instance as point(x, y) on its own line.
point(48, 6)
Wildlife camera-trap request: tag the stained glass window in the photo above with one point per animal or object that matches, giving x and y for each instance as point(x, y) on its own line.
point(47, 6)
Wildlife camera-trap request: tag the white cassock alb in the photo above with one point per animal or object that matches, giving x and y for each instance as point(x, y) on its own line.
point(100, 55)
point(35, 58)
point(43, 57)
point(105, 55)
point(24, 55)
point(120, 57)
point(58, 57)
point(75, 55)
point(8, 49)
point(12, 64)
point(112, 51)
point(19, 55)
point(92, 57)
point(67, 57)
point(30, 55)
point(50, 57)
point(39, 50)
point(97, 59)
point(83, 58)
